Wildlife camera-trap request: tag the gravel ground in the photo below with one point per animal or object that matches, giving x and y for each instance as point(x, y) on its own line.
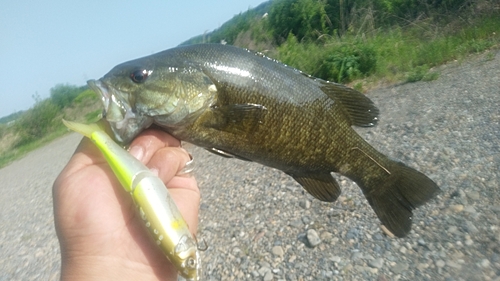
point(261, 225)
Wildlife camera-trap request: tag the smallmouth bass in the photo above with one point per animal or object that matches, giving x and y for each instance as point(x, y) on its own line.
point(237, 103)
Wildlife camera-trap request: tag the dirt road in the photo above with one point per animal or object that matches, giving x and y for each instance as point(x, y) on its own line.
point(255, 218)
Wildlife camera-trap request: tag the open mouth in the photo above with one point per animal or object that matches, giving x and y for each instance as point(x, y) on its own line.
point(114, 108)
point(117, 111)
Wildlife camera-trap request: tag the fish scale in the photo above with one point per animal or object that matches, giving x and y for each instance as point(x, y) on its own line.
point(235, 102)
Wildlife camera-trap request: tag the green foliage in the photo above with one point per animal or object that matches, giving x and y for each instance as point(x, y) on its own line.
point(421, 73)
point(230, 30)
point(3, 130)
point(85, 96)
point(338, 61)
point(348, 62)
point(93, 116)
point(36, 122)
point(305, 19)
point(63, 95)
point(11, 117)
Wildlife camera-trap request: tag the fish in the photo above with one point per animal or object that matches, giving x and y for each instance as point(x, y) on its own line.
point(238, 103)
point(155, 205)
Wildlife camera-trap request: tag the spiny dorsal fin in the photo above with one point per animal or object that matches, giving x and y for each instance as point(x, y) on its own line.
point(361, 110)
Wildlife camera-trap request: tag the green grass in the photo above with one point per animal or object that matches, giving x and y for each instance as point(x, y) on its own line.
point(15, 153)
point(394, 55)
point(17, 143)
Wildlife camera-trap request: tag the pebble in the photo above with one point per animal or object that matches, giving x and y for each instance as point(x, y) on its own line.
point(453, 264)
point(398, 268)
point(306, 220)
point(296, 224)
point(485, 263)
point(269, 276)
point(376, 263)
point(326, 236)
point(440, 263)
point(470, 209)
point(313, 238)
point(264, 270)
point(305, 204)
point(457, 208)
point(353, 233)
point(278, 251)
point(474, 195)
point(336, 259)
point(471, 228)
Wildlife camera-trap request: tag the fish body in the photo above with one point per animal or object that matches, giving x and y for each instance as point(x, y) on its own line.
point(157, 208)
point(238, 103)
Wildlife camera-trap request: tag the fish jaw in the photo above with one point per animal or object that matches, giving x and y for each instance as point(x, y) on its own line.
point(124, 122)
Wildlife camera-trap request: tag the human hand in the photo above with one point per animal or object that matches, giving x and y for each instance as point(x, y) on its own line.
point(100, 231)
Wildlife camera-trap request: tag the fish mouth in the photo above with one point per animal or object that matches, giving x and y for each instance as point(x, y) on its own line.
point(124, 122)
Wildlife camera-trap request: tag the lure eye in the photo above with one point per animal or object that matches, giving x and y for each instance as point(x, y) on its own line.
point(139, 76)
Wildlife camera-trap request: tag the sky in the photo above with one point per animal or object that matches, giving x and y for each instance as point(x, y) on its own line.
point(45, 43)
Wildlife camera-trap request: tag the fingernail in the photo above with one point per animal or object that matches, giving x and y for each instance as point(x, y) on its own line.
point(154, 171)
point(137, 152)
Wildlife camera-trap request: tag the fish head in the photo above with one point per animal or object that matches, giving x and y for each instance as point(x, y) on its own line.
point(137, 93)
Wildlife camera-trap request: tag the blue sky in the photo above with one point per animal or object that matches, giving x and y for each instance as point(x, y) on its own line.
point(44, 43)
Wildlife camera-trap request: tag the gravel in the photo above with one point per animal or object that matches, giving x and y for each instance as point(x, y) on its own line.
point(257, 220)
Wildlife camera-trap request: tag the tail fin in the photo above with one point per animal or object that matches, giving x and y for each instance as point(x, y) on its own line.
point(405, 190)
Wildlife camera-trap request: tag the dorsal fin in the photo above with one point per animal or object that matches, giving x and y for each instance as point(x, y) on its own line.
point(360, 109)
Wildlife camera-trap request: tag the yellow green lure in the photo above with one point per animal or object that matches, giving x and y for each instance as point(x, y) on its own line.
point(156, 207)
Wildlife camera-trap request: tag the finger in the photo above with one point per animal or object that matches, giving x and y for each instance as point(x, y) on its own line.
point(186, 196)
point(86, 154)
point(167, 163)
point(149, 141)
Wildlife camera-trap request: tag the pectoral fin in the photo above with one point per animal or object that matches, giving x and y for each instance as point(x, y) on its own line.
point(322, 186)
point(225, 154)
point(237, 118)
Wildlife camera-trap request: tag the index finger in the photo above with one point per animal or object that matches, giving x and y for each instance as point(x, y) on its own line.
point(149, 141)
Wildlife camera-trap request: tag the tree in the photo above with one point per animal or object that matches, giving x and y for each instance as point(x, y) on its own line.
point(63, 94)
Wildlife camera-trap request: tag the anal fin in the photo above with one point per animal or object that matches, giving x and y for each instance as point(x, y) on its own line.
point(321, 185)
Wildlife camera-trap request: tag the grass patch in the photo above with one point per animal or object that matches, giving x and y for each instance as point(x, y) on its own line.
point(42, 124)
point(395, 54)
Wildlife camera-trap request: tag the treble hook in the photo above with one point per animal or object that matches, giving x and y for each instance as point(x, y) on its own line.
point(198, 244)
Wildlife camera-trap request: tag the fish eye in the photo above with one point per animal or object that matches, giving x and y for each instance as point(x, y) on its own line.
point(140, 75)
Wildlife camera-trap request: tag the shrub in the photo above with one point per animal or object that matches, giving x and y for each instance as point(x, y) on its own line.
point(62, 95)
point(35, 123)
point(347, 62)
point(85, 96)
